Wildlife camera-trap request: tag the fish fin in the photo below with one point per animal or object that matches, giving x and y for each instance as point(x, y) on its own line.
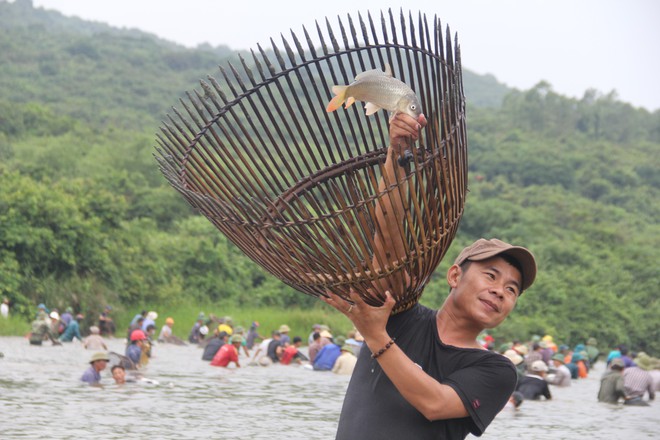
point(371, 108)
point(388, 70)
point(371, 72)
point(336, 102)
point(349, 102)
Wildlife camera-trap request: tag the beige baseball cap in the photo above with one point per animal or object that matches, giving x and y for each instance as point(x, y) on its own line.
point(483, 249)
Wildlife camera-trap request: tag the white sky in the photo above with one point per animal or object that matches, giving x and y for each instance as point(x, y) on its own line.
point(573, 44)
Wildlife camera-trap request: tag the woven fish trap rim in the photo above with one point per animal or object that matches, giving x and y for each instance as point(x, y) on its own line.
point(240, 220)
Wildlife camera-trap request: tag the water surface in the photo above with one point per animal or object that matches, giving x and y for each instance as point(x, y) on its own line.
point(41, 396)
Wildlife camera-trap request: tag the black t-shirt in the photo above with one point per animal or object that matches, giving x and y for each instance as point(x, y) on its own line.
point(272, 350)
point(533, 387)
point(374, 408)
point(212, 348)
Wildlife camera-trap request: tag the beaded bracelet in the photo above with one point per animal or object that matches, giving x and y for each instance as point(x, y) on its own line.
point(383, 350)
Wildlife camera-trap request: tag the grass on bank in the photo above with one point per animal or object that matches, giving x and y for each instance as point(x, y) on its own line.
point(300, 321)
point(14, 326)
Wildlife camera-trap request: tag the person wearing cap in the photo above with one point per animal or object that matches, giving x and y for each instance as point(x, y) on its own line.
point(561, 376)
point(166, 334)
point(150, 319)
point(285, 339)
point(134, 349)
point(592, 350)
point(94, 341)
point(225, 325)
point(611, 383)
point(56, 325)
point(517, 361)
point(422, 372)
point(636, 383)
point(97, 363)
point(533, 386)
point(534, 355)
point(345, 363)
point(41, 330)
point(325, 359)
point(72, 330)
point(228, 353)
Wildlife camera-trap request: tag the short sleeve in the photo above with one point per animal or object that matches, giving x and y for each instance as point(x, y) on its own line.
point(484, 388)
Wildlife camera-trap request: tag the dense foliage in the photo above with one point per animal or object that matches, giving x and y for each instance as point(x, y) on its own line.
point(86, 219)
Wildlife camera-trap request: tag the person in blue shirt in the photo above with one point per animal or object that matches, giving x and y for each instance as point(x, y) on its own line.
point(72, 330)
point(134, 349)
point(327, 356)
point(98, 362)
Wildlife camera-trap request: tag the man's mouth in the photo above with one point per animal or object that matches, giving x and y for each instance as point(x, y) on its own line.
point(492, 305)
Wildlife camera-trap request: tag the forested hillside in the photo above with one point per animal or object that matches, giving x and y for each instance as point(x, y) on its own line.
point(86, 218)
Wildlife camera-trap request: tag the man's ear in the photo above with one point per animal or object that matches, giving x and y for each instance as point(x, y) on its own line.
point(454, 275)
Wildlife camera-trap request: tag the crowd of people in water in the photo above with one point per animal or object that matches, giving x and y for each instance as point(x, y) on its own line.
point(630, 378)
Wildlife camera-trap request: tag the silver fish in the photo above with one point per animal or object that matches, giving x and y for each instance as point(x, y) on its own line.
point(380, 91)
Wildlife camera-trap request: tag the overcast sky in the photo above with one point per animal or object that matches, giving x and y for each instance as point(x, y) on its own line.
point(573, 44)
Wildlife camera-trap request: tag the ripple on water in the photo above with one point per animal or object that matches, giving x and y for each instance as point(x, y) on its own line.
point(41, 391)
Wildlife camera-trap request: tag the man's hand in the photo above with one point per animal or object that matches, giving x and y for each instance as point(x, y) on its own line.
point(368, 320)
point(403, 130)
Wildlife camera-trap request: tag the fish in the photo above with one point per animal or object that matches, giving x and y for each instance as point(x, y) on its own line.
point(380, 90)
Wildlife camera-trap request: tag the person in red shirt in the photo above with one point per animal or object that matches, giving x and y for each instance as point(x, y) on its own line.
point(228, 353)
point(291, 352)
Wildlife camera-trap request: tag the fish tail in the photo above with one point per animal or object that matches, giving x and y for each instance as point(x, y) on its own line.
point(337, 101)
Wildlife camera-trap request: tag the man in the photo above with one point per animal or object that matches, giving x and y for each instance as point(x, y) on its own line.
point(636, 382)
point(292, 353)
point(562, 375)
point(314, 348)
point(106, 324)
point(345, 363)
point(285, 340)
point(214, 345)
point(328, 355)
point(72, 330)
point(94, 341)
point(228, 353)
point(275, 349)
point(41, 330)
point(534, 386)
point(149, 320)
point(611, 384)
point(427, 376)
point(98, 362)
point(195, 335)
point(134, 349)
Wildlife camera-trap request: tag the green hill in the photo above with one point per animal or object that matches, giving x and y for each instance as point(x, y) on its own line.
point(87, 219)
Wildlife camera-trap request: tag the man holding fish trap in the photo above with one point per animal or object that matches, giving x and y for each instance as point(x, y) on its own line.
point(424, 376)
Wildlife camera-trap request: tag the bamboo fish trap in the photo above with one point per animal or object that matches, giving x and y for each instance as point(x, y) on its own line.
point(296, 188)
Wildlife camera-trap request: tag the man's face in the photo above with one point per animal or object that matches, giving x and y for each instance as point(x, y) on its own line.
point(486, 292)
point(119, 375)
point(100, 365)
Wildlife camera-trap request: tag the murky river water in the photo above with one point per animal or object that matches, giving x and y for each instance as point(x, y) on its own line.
point(41, 397)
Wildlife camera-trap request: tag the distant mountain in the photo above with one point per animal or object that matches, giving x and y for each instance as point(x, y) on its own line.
point(60, 60)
